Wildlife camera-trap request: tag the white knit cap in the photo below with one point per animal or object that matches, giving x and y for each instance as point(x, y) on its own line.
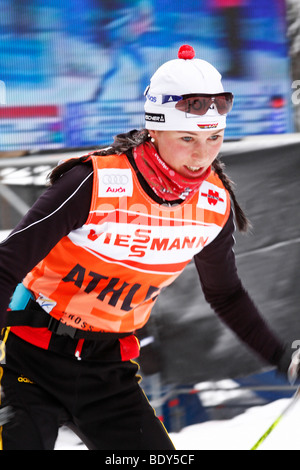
point(183, 76)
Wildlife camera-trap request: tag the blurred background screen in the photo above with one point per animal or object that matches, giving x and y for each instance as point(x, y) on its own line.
point(73, 73)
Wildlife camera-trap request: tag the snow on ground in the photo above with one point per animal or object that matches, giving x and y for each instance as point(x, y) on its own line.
point(239, 433)
point(243, 431)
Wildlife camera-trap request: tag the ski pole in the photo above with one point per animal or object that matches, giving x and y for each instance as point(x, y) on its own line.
point(293, 401)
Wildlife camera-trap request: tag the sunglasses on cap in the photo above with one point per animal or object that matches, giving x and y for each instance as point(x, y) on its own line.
point(195, 103)
point(199, 104)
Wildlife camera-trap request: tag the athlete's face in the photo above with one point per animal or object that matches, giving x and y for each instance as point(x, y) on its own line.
point(188, 153)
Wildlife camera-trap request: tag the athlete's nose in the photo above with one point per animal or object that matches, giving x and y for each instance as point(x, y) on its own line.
point(198, 157)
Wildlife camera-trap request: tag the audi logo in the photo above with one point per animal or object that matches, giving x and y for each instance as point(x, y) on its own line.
point(115, 179)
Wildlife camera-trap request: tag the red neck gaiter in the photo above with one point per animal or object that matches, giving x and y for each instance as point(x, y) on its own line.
point(165, 182)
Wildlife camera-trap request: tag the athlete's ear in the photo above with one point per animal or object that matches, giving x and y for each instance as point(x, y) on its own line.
point(153, 135)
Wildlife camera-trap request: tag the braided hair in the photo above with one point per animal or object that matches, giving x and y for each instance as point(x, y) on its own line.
point(241, 219)
point(124, 143)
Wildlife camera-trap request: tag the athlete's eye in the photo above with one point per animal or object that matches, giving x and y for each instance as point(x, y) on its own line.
point(214, 137)
point(186, 138)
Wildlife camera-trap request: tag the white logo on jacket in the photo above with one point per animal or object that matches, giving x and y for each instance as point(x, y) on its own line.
point(115, 182)
point(212, 198)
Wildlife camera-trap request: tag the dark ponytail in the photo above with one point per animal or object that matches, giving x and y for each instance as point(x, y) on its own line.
point(123, 143)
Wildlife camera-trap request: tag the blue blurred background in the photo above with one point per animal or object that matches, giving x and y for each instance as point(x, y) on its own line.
point(75, 71)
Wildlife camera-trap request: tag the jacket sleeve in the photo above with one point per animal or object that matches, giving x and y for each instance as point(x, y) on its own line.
point(63, 207)
point(226, 294)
